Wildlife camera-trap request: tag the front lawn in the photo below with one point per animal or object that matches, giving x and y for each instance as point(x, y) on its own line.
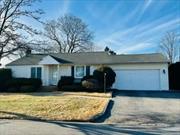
point(48, 106)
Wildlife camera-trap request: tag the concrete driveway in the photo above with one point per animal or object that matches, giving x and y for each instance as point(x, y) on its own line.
point(145, 109)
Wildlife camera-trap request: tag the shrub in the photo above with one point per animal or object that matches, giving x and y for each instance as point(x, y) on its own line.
point(87, 77)
point(90, 84)
point(5, 75)
point(79, 88)
point(74, 88)
point(174, 76)
point(65, 80)
point(23, 84)
point(110, 76)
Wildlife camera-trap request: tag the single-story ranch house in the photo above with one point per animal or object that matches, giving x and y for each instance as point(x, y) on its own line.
point(133, 72)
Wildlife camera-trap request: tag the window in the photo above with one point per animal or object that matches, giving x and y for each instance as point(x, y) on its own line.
point(36, 72)
point(79, 71)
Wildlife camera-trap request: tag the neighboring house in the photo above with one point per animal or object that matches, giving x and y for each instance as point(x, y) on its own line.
point(133, 72)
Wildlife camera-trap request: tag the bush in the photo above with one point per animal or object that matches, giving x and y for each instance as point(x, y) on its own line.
point(110, 76)
point(87, 77)
point(79, 88)
point(174, 76)
point(65, 80)
point(23, 84)
point(5, 75)
point(73, 88)
point(90, 84)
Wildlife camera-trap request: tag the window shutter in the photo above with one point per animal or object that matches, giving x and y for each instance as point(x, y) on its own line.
point(72, 71)
point(39, 72)
point(87, 70)
point(33, 72)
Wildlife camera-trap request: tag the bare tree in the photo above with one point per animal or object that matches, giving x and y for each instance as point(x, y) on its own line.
point(169, 46)
point(13, 32)
point(68, 34)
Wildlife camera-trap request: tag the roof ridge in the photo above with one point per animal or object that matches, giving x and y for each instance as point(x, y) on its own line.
point(137, 54)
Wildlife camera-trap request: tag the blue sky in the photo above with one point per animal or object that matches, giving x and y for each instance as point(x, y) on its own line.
point(126, 26)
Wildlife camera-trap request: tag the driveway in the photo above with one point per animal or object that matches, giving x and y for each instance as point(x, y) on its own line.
point(145, 109)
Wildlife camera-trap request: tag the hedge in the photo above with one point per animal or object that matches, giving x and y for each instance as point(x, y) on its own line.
point(5, 75)
point(23, 85)
point(65, 80)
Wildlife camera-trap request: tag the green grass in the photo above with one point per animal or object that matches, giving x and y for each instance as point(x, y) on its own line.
point(50, 107)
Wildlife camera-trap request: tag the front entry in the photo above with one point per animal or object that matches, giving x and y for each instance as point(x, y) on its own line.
point(53, 75)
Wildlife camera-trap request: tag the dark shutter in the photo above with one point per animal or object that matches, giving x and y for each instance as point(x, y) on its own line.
point(33, 72)
point(72, 71)
point(87, 70)
point(39, 72)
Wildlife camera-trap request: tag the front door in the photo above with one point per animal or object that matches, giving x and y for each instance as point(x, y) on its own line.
point(53, 73)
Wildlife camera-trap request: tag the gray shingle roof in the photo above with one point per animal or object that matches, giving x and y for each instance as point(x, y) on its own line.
point(92, 58)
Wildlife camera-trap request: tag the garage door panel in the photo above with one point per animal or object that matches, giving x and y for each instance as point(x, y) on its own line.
point(137, 80)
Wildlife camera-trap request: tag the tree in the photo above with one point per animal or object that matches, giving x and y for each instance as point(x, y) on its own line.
point(169, 46)
point(68, 34)
point(106, 74)
point(13, 32)
point(107, 49)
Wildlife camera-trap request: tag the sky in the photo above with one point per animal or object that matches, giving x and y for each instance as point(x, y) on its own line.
point(125, 26)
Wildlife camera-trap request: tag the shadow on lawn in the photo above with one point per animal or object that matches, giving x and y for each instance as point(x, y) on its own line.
point(151, 94)
point(15, 115)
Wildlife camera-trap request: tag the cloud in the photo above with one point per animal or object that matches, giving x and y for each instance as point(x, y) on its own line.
point(140, 34)
point(65, 7)
point(134, 48)
point(147, 4)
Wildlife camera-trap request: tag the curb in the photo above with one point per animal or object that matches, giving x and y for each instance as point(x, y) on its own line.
point(97, 116)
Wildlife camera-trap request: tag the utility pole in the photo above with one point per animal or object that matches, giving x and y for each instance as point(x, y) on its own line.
point(104, 82)
point(179, 54)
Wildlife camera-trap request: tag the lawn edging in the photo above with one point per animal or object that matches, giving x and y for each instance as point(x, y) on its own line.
point(97, 116)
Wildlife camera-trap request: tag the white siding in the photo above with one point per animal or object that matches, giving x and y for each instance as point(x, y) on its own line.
point(65, 70)
point(48, 60)
point(25, 71)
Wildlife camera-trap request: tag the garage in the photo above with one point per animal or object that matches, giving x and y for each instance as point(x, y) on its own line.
point(136, 79)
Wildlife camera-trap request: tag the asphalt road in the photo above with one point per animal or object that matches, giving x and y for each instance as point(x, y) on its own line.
point(27, 127)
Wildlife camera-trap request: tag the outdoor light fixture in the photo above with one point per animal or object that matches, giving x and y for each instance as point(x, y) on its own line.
point(164, 71)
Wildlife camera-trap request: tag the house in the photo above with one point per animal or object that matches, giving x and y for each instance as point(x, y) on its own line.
point(133, 72)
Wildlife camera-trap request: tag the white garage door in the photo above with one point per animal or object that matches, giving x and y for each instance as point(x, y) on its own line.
point(137, 80)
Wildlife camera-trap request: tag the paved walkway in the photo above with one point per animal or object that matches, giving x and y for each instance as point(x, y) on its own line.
point(25, 127)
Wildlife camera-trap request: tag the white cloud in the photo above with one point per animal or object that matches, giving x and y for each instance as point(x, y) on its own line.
point(139, 37)
point(147, 4)
point(65, 7)
point(134, 48)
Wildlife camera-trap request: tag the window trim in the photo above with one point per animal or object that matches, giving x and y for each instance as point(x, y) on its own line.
point(75, 71)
